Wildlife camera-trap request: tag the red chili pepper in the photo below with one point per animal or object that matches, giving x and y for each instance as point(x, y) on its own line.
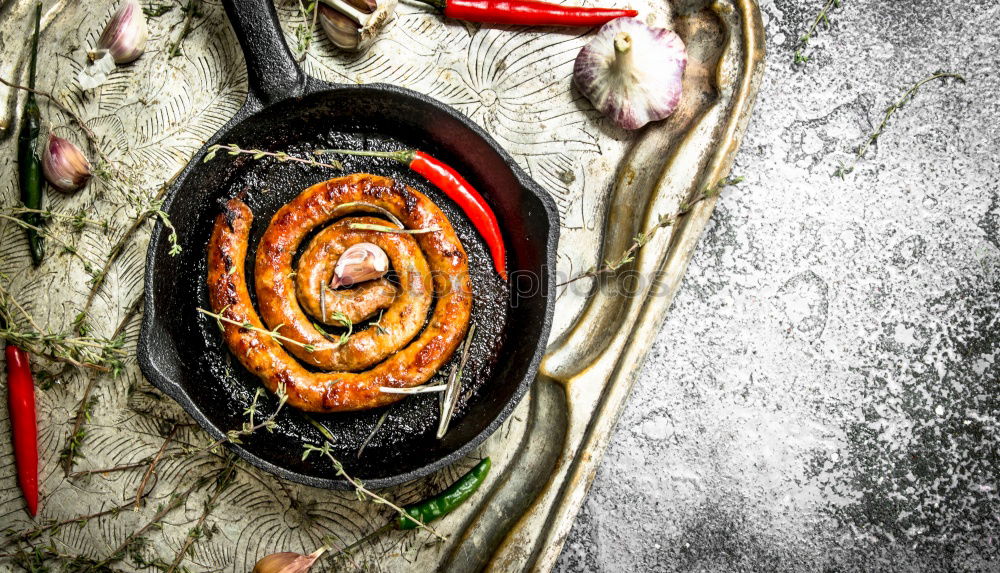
point(21, 401)
point(457, 189)
point(528, 13)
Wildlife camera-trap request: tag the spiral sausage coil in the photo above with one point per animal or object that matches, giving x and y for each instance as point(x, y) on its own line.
point(423, 319)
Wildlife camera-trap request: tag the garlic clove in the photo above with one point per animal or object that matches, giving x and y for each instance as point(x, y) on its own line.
point(359, 263)
point(287, 562)
point(126, 33)
point(65, 167)
point(355, 24)
point(631, 72)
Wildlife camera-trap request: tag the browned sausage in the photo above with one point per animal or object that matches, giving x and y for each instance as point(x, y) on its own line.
point(362, 301)
point(264, 356)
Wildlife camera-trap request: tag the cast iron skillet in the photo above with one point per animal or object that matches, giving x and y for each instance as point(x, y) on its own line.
point(181, 352)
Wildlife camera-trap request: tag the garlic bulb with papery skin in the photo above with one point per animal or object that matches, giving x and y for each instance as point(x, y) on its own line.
point(354, 24)
point(287, 562)
point(359, 263)
point(65, 167)
point(632, 72)
point(126, 33)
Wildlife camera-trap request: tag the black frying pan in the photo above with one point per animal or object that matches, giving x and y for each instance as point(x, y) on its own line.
point(181, 352)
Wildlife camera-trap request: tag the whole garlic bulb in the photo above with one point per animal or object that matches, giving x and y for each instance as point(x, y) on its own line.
point(126, 33)
point(65, 167)
point(632, 72)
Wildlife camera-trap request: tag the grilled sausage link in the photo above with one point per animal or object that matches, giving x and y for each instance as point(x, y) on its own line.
point(261, 354)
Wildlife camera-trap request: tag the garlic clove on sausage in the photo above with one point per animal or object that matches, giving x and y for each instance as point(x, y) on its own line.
point(354, 24)
point(359, 263)
point(632, 72)
point(65, 167)
point(125, 34)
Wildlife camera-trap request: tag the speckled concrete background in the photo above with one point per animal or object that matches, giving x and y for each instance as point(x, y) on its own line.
point(823, 395)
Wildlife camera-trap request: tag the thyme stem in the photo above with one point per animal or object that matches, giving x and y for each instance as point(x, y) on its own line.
point(92, 138)
point(641, 239)
point(232, 149)
point(898, 104)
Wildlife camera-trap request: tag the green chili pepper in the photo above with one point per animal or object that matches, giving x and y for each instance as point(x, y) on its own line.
point(29, 165)
point(445, 502)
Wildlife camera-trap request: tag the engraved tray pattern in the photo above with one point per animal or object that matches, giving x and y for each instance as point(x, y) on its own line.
point(609, 184)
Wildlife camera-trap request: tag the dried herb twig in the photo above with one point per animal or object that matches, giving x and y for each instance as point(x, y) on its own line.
point(232, 149)
point(898, 105)
point(191, 11)
point(89, 352)
point(92, 138)
point(77, 433)
point(139, 491)
point(823, 17)
point(360, 490)
point(77, 220)
point(611, 266)
point(197, 530)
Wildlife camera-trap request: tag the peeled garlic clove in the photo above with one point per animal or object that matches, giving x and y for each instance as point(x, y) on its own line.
point(359, 263)
point(354, 24)
point(632, 72)
point(65, 167)
point(126, 33)
point(287, 562)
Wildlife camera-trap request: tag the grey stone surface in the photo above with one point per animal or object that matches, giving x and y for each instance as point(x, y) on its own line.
point(823, 395)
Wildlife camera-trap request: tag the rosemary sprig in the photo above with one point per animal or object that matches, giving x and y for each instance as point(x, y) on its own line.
point(387, 229)
point(897, 105)
point(449, 399)
point(413, 389)
point(611, 266)
point(378, 425)
point(360, 490)
point(233, 149)
point(247, 325)
point(823, 17)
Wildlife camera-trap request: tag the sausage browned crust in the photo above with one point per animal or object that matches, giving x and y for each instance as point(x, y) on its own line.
point(261, 354)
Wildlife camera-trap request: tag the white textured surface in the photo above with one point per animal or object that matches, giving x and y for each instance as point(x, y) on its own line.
point(824, 391)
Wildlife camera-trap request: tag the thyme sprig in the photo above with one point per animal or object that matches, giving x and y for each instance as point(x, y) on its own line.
point(67, 248)
point(304, 31)
point(103, 354)
point(77, 221)
point(233, 149)
point(219, 319)
point(897, 105)
point(613, 265)
point(92, 139)
point(823, 17)
point(360, 490)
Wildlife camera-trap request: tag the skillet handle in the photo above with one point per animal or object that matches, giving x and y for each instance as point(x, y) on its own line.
point(272, 72)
